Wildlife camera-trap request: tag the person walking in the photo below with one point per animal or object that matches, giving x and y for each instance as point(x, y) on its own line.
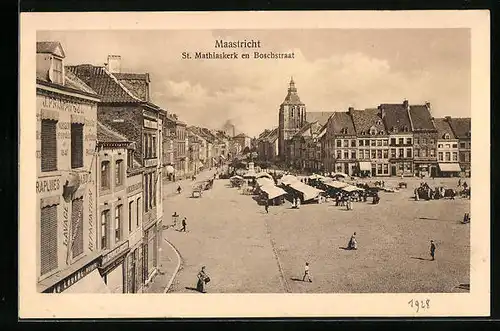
point(353, 244)
point(266, 206)
point(433, 249)
point(179, 189)
point(203, 279)
point(183, 229)
point(306, 273)
point(459, 182)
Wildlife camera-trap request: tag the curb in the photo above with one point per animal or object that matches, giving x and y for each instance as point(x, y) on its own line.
point(176, 268)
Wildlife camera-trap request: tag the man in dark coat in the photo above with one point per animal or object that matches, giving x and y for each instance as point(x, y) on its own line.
point(433, 249)
point(266, 206)
point(183, 229)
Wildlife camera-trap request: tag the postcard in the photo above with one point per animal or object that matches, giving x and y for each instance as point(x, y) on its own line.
point(254, 164)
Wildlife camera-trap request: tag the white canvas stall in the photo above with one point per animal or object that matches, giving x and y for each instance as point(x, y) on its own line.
point(336, 184)
point(263, 175)
point(309, 192)
point(265, 181)
point(273, 191)
point(288, 179)
point(351, 188)
point(449, 167)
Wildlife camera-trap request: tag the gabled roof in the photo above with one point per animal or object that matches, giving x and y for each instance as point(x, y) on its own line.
point(339, 121)
point(241, 135)
point(461, 126)
point(71, 80)
point(107, 86)
point(396, 116)
point(106, 134)
point(364, 120)
point(320, 116)
point(50, 47)
point(421, 118)
point(272, 136)
point(136, 83)
point(443, 127)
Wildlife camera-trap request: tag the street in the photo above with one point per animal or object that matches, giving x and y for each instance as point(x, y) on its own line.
point(246, 250)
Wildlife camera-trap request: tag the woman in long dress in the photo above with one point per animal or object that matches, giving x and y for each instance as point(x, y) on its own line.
point(202, 276)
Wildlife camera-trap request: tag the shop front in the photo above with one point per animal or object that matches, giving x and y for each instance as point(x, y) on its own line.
point(113, 269)
point(449, 169)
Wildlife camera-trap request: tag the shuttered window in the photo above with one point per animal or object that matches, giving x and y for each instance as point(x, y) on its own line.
point(118, 172)
point(49, 145)
point(118, 223)
point(105, 182)
point(104, 229)
point(146, 193)
point(77, 226)
point(76, 145)
point(48, 239)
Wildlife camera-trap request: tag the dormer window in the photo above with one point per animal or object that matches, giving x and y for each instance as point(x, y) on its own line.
point(468, 134)
point(394, 129)
point(373, 131)
point(381, 132)
point(56, 73)
point(446, 136)
point(379, 122)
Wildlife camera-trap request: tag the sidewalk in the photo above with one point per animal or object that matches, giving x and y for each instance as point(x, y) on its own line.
point(170, 188)
point(168, 265)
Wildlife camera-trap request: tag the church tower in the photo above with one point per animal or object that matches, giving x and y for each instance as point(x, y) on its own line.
point(292, 117)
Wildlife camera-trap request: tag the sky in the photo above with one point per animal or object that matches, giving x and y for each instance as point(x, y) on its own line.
point(333, 69)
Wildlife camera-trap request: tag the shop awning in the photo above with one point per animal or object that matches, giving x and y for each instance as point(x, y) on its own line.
point(365, 166)
point(92, 283)
point(449, 167)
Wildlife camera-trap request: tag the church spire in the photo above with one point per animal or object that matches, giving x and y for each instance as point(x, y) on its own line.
point(292, 86)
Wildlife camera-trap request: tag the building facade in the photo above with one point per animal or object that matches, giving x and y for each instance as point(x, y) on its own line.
point(397, 121)
point(343, 145)
point(66, 109)
point(291, 118)
point(447, 149)
point(125, 108)
point(424, 140)
point(462, 130)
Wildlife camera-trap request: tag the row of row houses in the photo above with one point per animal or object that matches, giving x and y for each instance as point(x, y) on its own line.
point(390, 140)
point(104, 151)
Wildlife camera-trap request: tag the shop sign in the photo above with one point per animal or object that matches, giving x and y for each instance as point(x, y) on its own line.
point(150, 162)
point(115, 252)
point(134, 187)
point(59, 104)
point(47, 185)
point(150, 124)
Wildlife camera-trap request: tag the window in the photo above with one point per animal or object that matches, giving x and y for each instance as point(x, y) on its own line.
point(118, 223)
point(408, 141)
point(386, 169)
point(119, 173)
point(373, 131)
point(104, 229)
point(432, 152)
point(446, 136)
point(374, 154)
point(379, 154)
point(467, 157)
point(48, 239)
point(454, 145)
point(417, 152)
point(346, 155)
point(346, 143)
point(105, 180)
point(400, 141)
point(424, 141)
point(130, 215)
point(57, 71)
point(130, 158)
point(447, 156)
point(393, 141)
point(401, 152)
point(447, 145)
point(379, 142)
point(440, 156)
point(455, 156)
point(361, 143)
point(76, 145)
point(379, 169)
point(462, 145)
point(386, 153)
point(385, 142)
point(339, 155)
point(381, 132)
point(353, 143)
point(431, 141)
point(424, 152)
point(150, 188)
point(440, 145)
point(137, 215)
point(417, 141)
point(373, 142)
point(462, 157)
point(49, 145)
point(153, 154)
point(339, 143)
point(408, 152)
point(353, 154)
point(77, 227)
point(393, 153)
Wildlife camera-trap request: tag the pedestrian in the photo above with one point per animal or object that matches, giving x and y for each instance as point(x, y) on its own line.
point(266, 206)
point(174, 217)
point(433, 249)
point(306, 273)
point(353, 244)
point(459, 182)
point(179, 189)
point(203, 279)
point(183, 229)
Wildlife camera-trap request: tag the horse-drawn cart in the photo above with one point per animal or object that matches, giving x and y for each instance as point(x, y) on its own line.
point(197, 191)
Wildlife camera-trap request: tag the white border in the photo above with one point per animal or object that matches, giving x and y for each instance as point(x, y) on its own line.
point(475, 303)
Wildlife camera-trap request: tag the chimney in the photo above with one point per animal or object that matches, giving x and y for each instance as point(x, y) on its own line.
point(405, 104)
point(428, 105)
point(447, 118)
point(382, 112)
point(350, 110)
point(114, 63)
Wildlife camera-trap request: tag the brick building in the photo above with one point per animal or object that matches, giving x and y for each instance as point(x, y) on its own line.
point(125, 107)
point(340, 143)
point(447, 148)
